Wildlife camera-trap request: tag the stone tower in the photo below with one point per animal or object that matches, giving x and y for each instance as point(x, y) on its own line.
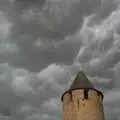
point(82, 101)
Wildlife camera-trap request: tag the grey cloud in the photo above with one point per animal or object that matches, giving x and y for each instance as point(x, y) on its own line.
point(98, 57)
point(25, 32)
point(44, 87)
point(15, 93)
point(113, 103)
point(65, 9)
point(33, 22)
point(5, 118)
point(62, 52)
point(21, 5)
point(107, 7)
point(38, 40)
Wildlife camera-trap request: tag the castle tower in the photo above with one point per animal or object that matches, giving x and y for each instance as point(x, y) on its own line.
point(82, 101)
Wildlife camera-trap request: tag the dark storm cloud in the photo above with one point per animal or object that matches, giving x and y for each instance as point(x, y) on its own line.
point(51, 22)
point(39, 56)
point(42, 35)
point(63, 52)
point(54, 20)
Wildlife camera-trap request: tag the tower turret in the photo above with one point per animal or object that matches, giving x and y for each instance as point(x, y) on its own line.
point(82, 101)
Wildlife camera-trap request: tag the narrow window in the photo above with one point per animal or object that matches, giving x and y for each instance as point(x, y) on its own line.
point(78, 103)
point(86, 94)
point(70, 95)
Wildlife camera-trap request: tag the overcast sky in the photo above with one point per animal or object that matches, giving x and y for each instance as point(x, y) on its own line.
point(43, 44)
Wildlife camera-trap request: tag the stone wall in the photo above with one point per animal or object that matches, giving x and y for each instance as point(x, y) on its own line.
point(78, 107)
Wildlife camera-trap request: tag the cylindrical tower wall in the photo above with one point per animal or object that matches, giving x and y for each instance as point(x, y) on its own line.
point(83, 105)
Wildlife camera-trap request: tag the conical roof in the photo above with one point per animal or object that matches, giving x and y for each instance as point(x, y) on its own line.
point(81, 82)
